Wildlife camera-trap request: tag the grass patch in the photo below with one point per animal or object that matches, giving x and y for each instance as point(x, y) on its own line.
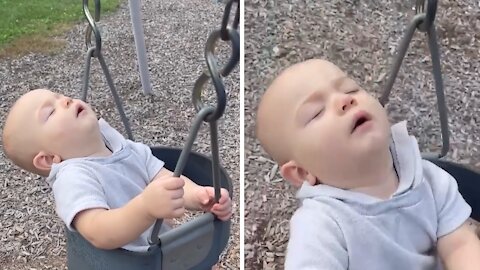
point(30, 25)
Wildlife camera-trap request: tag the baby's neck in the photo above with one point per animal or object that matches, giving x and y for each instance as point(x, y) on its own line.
point(384, 189)
point(95, 148)
point(381, 177)
point(104, 151)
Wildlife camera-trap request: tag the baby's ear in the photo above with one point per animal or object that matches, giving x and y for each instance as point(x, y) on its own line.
point(44, 161)
point(295, 174)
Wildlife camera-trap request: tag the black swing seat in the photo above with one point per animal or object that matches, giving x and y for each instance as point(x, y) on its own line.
point(196, 244)
point(468, 184)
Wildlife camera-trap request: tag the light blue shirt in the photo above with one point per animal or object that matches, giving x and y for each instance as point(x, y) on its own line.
point(105, 182)
point(337, 229)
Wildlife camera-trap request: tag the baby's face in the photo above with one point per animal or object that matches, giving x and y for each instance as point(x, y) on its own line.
point(58, 125)
point(330, 122)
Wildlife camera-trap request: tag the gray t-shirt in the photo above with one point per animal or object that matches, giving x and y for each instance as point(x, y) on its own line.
point(340, 229)
point(105, 182)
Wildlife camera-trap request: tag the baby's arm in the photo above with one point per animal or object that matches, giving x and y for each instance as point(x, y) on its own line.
point(196, 197)
point(457, 245)
point(110, 229)
point(202, 198)
point(460, 249)
point(190, 188)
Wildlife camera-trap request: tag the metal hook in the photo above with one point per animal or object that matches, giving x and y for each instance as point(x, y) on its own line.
point(431, 11)
point(419, 21)
point(92, 26)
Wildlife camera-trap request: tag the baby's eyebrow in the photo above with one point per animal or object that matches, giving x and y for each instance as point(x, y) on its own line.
point(42, 107)
point(48, 101)
point(315, 95)
point(300, 108)
point(337, 83)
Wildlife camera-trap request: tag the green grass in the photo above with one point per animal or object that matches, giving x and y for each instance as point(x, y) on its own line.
point(20, 19)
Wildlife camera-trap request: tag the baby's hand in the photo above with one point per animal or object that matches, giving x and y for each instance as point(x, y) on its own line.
point(206, 199)
point(163, 197)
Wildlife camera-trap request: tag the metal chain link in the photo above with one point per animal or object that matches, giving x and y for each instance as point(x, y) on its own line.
point(91, 25)
point(424, 22)
point(230, 34)
point(226, 18)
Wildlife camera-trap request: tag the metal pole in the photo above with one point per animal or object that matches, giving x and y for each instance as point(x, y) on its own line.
point(136, 17)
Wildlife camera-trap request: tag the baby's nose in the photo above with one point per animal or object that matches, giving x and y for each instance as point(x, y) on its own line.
point(346, 102)
point(65, 101)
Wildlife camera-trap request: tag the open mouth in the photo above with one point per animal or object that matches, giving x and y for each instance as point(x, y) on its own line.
point(360, 119)
point(80, 109)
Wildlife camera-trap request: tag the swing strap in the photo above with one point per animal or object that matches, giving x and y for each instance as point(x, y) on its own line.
point(424, 21)
point(96, 51)
point(209, 113)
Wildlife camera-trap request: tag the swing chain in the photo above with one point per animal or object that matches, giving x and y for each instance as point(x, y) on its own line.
point(430, 10)
point(231, 34)
point(226, 18)
point(424, 22)
point(96, 51)
point(92, 27)
point(209, 114)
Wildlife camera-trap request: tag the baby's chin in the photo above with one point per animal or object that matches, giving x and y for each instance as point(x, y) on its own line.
point(371, 142)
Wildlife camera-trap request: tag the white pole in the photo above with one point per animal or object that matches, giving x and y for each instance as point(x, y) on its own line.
point(136, 17)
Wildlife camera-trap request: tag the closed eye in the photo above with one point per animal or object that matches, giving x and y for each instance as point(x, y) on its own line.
point(353, 91)
point(51, 113)
point(316, 115)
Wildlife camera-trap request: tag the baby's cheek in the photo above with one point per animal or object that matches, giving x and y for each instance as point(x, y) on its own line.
point(54, 132)
point(377, 109)
point(301, 149)
point(314, 148)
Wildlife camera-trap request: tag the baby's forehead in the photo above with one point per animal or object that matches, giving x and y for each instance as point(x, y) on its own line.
point(33, 94)
point(30, 101)
point(37, 96)
point(302, 82)
point(315, 66)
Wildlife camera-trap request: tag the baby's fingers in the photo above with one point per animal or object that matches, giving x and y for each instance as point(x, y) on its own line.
point(173, 183)
point(177, 203)
point(222, 206)
point(176, 194)
point(179, 212)
point(178, 207)
point(223, 215)
point(222, 210)
point(224, 196)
